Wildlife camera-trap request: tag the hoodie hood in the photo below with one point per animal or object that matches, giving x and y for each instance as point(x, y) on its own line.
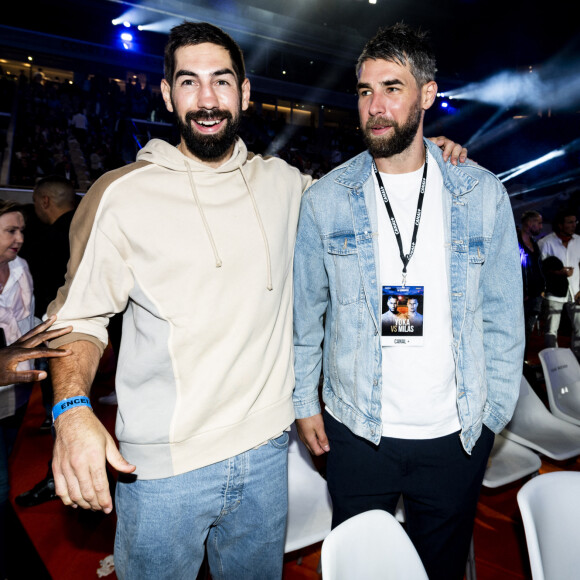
point(162, 153)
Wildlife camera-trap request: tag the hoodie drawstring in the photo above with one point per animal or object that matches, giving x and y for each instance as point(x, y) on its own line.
point(218, 261)
point(266, 245)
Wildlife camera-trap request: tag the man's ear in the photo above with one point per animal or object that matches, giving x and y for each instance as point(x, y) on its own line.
point(45, 201)
point(166, 92)
point(245, 94)
point(428, 94)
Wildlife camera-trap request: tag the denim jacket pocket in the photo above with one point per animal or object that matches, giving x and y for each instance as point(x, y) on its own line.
point(343, 250)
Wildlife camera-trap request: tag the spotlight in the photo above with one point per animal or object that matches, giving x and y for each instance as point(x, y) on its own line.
point(126, 24)
point(127, 39)
point(447, 107)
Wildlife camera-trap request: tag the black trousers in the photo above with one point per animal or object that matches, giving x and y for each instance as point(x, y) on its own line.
point(438, 480)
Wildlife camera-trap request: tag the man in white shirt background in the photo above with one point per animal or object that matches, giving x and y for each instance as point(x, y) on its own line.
point(564, 244)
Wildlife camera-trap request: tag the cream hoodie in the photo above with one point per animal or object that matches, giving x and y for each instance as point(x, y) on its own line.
point(201, 259)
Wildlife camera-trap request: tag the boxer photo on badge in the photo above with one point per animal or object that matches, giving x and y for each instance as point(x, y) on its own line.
point(402, 319)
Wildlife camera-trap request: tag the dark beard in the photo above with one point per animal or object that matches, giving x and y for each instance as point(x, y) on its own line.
point(399, 139)
point(208, 147)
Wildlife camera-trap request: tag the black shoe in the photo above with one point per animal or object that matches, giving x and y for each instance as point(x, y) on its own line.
point(43, 491)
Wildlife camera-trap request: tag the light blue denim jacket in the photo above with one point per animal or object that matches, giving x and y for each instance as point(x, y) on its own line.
point(337, 298)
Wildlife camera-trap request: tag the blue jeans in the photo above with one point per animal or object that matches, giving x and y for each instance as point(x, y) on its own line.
point(236, 507)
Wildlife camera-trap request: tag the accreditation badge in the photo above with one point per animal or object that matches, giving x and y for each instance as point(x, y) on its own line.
point(402, 318)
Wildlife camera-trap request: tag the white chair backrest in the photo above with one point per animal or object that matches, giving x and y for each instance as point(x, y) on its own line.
point(550, 508)
point(508, 462)
point(372, 545)
point(294, 441)
point(529, 408)
point(562, 375)
point(534, 426)
point(309, 505)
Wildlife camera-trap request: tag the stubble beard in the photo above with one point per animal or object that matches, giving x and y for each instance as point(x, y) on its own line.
point(209, 147)
point(399, 138)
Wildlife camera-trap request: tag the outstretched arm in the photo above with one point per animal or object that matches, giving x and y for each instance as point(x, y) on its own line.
point(27, 348)
point(83, 446)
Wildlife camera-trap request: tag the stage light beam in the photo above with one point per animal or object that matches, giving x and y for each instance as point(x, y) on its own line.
point(514, 172)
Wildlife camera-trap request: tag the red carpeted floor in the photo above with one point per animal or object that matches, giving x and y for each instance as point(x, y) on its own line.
point(52, 541)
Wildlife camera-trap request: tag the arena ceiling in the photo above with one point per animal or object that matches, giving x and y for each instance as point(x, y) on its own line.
point(522, 126)
point(473, 39)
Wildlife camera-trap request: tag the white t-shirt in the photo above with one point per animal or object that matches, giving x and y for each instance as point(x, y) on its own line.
point(419, 387)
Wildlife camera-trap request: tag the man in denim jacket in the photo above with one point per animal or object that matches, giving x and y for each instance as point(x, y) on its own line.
point(405, 415)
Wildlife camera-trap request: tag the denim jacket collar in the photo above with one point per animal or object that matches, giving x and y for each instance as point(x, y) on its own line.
point(356, 172)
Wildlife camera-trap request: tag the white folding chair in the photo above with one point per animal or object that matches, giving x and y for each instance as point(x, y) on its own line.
point(550, 508)
point(372, 545)
point(562, 375)
point(309, 505)
point(533, 426)
point(508, 462)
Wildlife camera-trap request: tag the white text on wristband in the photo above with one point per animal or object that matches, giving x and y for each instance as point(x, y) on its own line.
point(69, 403)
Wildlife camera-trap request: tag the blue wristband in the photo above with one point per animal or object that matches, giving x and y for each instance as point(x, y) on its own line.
point(69, 403)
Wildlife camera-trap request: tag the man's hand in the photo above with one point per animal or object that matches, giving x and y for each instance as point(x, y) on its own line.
point(565, 271)
point(450, 149)
point(311, 432)
point(83, 445)
point(81, 450)
point(25, 349)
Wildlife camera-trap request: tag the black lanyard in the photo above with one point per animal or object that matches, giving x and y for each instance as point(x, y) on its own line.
point(405, 258)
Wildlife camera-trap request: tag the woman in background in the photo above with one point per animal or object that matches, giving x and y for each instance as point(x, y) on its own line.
point(16, 318)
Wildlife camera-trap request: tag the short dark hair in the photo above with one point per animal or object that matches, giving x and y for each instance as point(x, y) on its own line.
point(193, 33)
point(561, 214)
point(60, 189)
point(529, 215)
point(403, 45)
